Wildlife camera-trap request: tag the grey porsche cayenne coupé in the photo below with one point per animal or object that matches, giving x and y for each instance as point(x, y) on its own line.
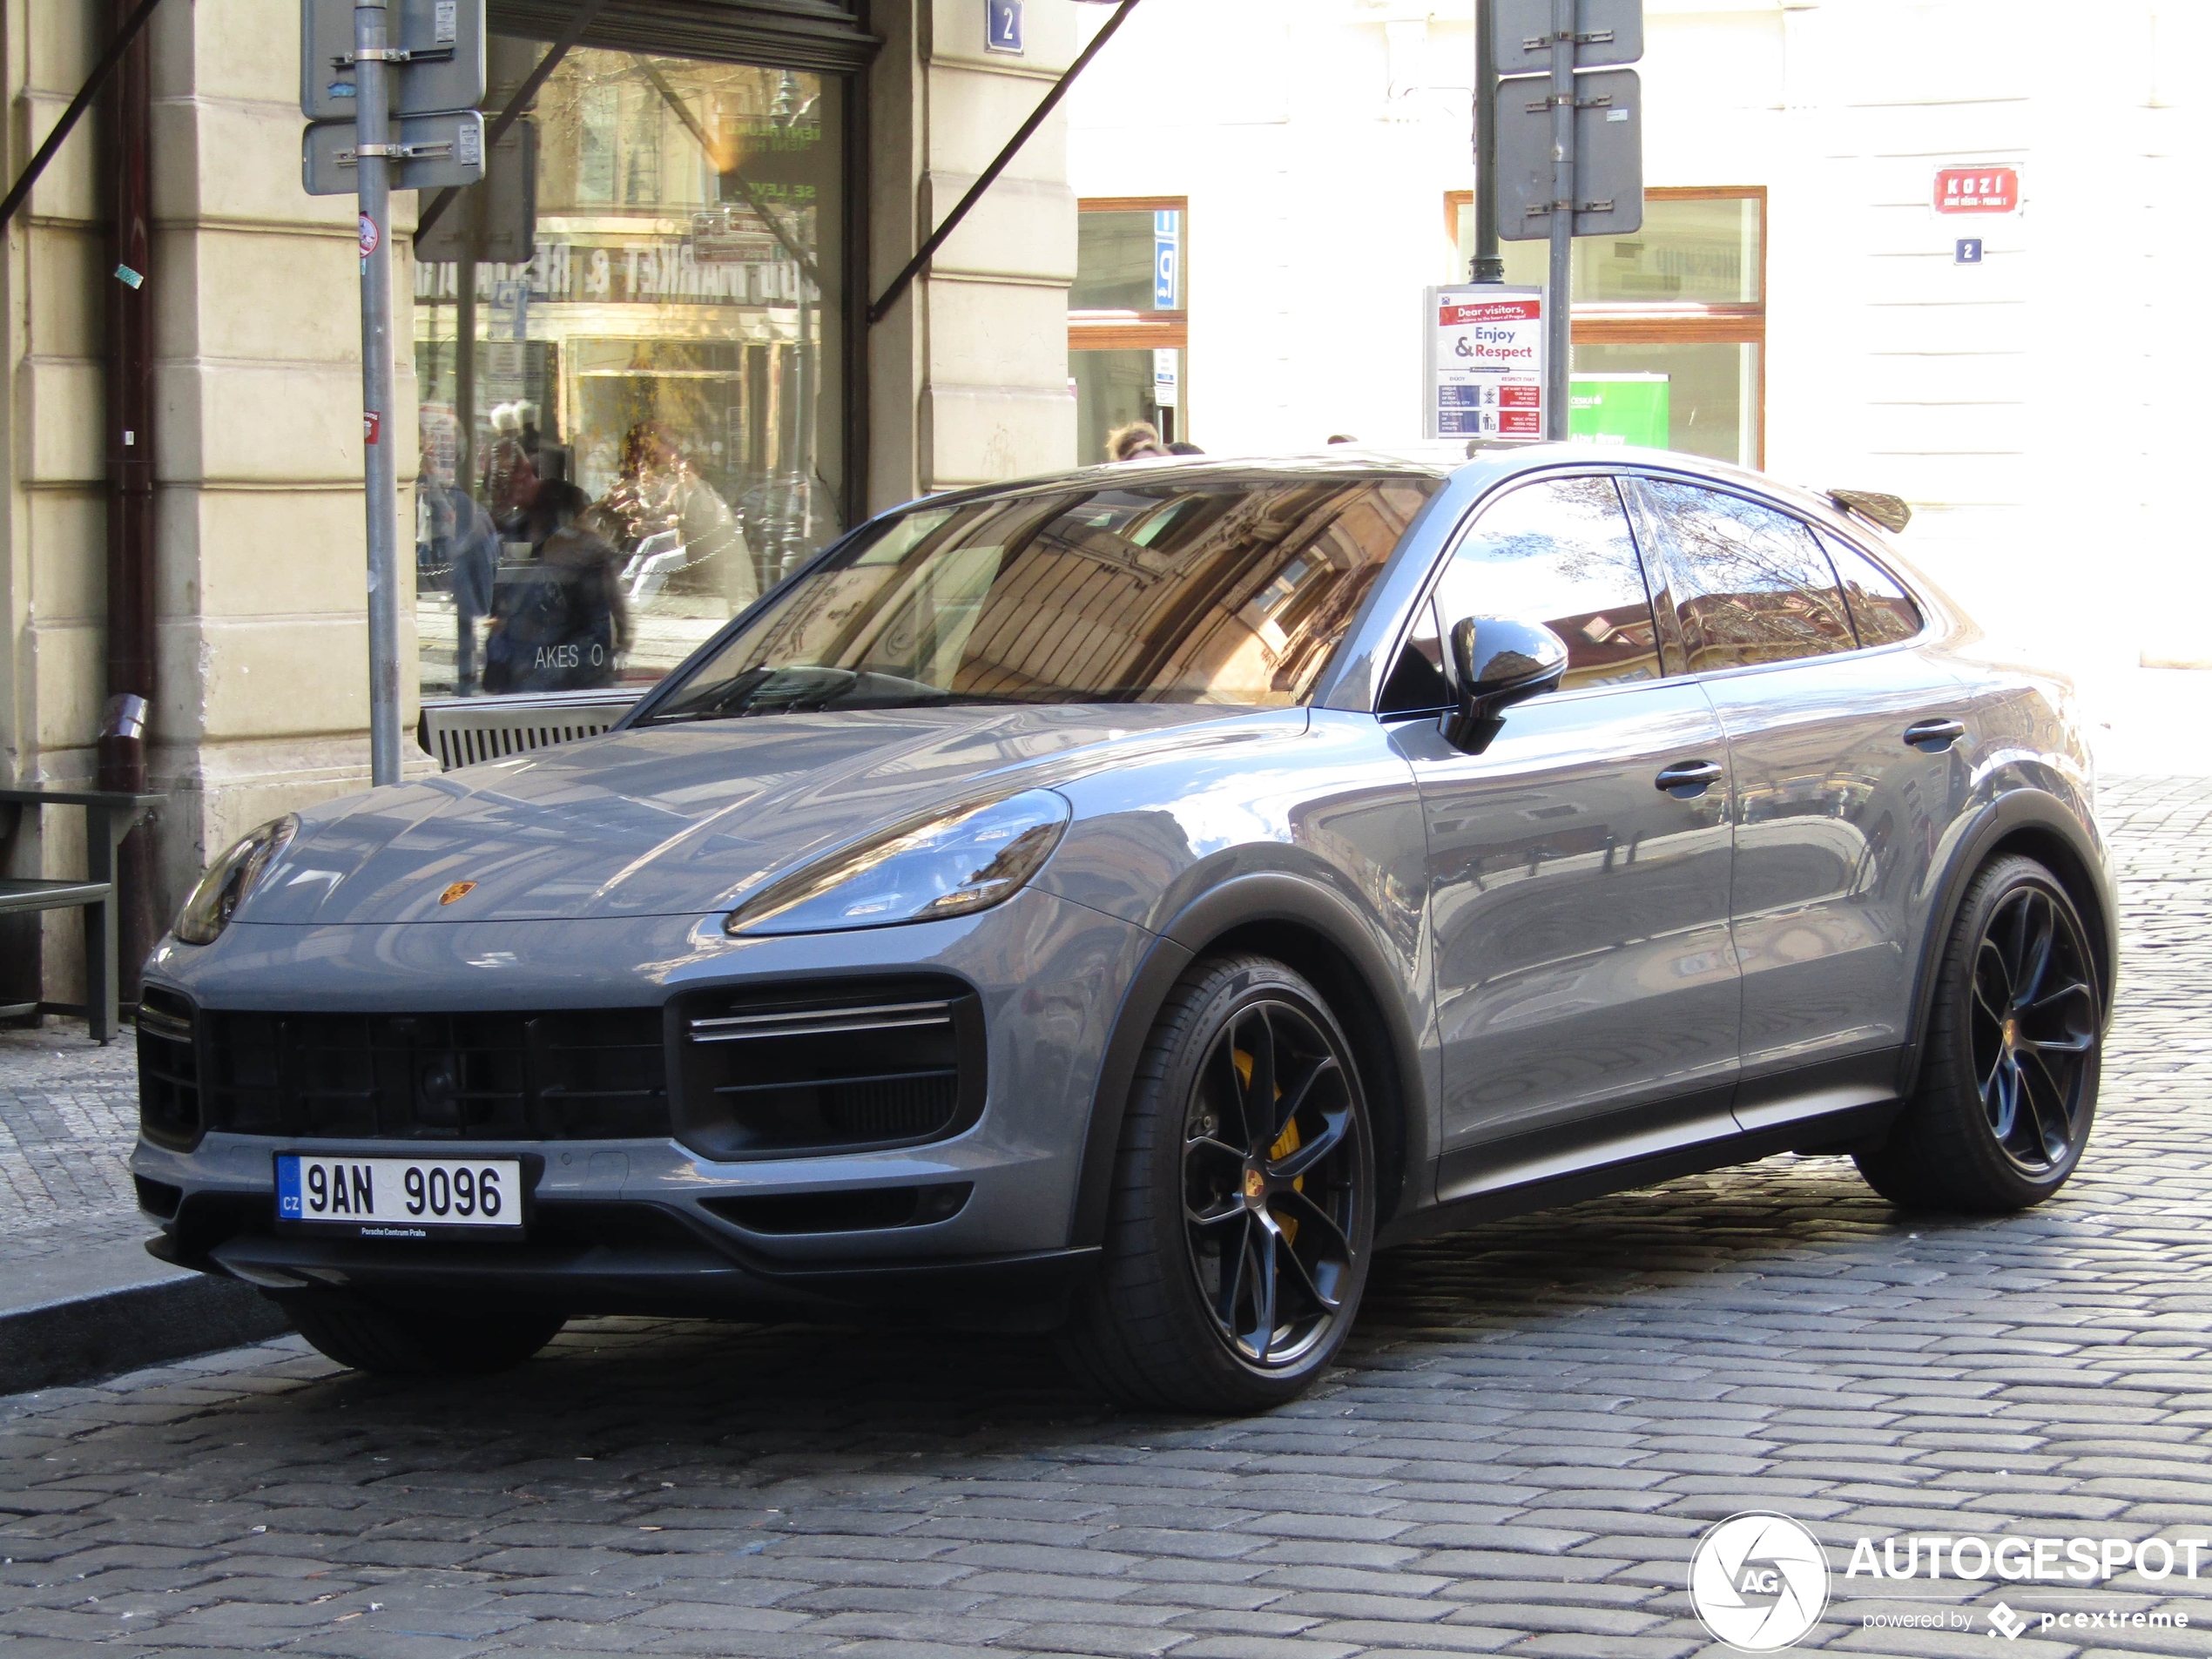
point(1122, 902)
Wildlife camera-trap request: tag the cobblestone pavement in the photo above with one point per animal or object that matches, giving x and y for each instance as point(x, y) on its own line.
point(1533, 1424)
point(69, 1111)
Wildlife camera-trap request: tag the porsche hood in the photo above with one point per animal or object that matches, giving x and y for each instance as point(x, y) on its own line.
point(686, 819)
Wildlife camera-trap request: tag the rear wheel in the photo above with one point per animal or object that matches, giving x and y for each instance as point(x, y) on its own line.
point(418, 1343)
point(2008, 1084)
point(1243, 1212)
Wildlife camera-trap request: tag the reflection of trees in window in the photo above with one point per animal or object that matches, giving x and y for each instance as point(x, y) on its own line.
point(1756, 586)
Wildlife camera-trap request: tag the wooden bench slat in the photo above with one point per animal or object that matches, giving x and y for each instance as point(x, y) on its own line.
point(17, 894)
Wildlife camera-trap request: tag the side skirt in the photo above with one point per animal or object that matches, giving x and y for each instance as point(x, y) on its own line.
point(1833, 1120)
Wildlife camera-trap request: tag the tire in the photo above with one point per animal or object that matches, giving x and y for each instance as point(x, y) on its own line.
point(1203, 1202)
point(417, 1343)
point(2008, 1078)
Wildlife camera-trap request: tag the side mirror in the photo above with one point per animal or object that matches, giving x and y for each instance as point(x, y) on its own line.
point(1499, 661)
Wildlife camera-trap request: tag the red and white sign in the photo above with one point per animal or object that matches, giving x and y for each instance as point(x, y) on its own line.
point(372, 426)
point(1485, 362)
point(1976, 189)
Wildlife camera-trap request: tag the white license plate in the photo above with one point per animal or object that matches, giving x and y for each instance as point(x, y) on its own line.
point(399, 1198)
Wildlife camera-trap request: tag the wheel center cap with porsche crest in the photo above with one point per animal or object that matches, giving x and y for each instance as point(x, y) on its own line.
point(458, 890)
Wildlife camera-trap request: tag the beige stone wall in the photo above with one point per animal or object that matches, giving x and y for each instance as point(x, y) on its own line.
point(262, 699)
point(970, 372)
point(52, 552)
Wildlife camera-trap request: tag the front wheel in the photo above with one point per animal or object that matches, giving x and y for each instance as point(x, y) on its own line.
point(417, 1343)
point(1243, 1211)
point(2008, 1082)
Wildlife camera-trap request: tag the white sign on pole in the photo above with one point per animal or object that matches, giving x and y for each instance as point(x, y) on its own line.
point(1485, 362)
point(1167, 376)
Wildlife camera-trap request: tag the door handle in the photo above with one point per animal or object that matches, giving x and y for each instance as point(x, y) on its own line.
point(1687, 779)
point(1933, 736)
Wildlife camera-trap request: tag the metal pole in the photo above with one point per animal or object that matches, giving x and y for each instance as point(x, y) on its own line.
point(380, 431)
point(1487, 266)
point(1559, 334)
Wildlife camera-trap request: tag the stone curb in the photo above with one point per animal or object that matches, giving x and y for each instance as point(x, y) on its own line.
point(103, 1312)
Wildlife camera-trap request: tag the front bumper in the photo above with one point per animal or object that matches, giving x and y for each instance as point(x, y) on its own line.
point(653, 1226)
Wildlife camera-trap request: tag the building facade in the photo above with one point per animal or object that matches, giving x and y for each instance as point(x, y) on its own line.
point(663, 289)
point(1794, 301)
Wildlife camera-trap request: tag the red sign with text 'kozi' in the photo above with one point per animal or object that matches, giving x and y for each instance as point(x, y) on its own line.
point(1976, 189)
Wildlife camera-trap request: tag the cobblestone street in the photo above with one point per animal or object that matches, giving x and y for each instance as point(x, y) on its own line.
point(1532, 1425)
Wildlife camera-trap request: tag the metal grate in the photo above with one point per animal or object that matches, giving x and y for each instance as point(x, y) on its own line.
point(596, 1074)
point(467, 730)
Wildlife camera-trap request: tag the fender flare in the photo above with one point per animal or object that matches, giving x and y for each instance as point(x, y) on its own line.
point(2034, 810)
point(1241, 901)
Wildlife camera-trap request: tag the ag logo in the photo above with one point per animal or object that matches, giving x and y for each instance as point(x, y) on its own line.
point(1758, 1582)
point(458, 890)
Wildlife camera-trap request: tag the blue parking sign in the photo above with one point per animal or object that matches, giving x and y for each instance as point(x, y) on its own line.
point(1002, 26)
point(1167, 260)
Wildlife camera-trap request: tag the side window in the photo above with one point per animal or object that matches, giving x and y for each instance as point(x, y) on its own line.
point(1751, 584)
point(1417, 684)
point(1882, 611)
point(1560, 552)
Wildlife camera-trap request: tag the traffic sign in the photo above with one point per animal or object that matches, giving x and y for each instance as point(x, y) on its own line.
point(1606, 32)
point(442, 67)
point(1609, 155)
point(429, 152)
point(497, 219)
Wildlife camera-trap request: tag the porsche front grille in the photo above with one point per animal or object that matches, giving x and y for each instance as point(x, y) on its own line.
point(574, 1075)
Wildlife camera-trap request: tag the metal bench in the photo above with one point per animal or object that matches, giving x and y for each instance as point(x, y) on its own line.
point(108, 819)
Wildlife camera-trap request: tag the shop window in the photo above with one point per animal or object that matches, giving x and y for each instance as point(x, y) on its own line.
point(1669, 323)
point(644, 431)
point(1127, 333)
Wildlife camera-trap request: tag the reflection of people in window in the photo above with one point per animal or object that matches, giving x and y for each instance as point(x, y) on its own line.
point(659, 492)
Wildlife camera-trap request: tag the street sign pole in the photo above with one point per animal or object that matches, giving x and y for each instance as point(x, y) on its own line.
point(1559, 317)
point(1487, 266)
point(373, 169)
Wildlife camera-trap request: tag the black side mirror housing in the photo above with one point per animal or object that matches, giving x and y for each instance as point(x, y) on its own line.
point(1499, 661)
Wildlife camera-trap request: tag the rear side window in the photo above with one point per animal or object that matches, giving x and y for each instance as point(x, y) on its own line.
point(1750, 583)
point(1880, 610)
point(1559, 551)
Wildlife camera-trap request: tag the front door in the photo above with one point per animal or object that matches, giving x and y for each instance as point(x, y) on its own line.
point(1838, 814)
point(1585, 985)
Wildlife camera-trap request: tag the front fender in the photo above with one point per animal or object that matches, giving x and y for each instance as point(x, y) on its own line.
point(1297, 917)
point(2037, 823)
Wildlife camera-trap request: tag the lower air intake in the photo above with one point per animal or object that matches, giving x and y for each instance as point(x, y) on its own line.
point(833, 1069)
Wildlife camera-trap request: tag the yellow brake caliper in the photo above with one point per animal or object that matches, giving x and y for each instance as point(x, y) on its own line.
point(1282, 1148)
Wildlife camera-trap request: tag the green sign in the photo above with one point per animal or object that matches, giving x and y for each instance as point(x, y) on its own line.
point(1619, 409)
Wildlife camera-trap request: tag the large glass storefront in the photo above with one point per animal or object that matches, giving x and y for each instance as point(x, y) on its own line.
point(644, 431)
point(1669, 323)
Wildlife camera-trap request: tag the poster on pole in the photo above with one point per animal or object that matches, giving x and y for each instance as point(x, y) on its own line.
point(1485, 362)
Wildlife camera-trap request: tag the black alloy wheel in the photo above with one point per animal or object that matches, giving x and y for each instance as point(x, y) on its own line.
point(2034, 1029)
point(1270, 1190)
point(2008, 1078)
point(1243, 1211)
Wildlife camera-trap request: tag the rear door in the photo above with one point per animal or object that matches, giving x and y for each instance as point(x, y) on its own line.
point(1585, 986)
point(1843, 780)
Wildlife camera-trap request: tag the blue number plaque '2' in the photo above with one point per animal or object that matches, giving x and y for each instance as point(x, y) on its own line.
point(1002, 25)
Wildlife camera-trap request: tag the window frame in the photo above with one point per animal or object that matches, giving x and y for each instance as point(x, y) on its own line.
point(1663, 323)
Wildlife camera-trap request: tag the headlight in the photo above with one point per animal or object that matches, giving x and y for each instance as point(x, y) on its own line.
point(963, 861)
point(227, 882)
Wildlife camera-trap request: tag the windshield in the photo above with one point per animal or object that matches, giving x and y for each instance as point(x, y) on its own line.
point(1217, 591)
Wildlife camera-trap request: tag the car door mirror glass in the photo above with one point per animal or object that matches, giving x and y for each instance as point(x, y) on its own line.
point(1500, 661)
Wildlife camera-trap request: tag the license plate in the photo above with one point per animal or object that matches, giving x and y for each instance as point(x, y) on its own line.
point(399, 1198)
